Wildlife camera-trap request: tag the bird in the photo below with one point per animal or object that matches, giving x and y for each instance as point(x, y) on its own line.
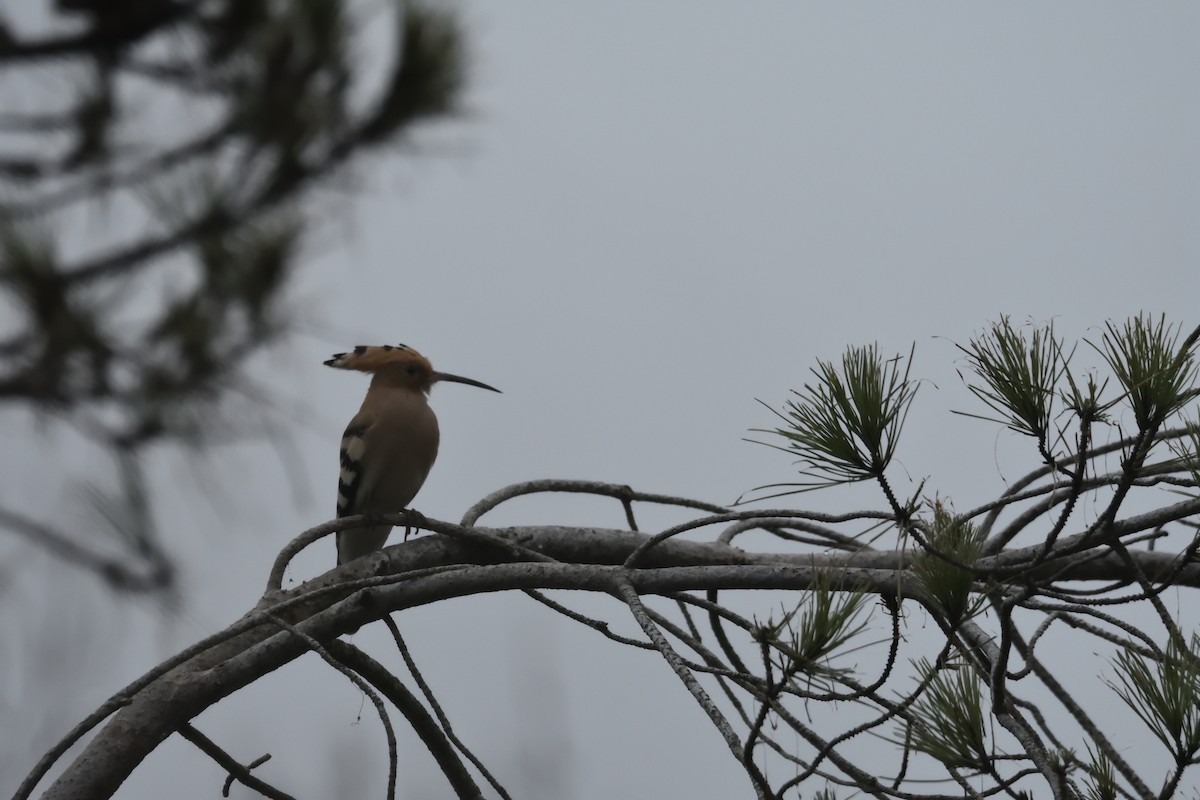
point(391, 443)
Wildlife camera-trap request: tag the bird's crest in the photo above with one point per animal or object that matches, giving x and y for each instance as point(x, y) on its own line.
point(372, 358)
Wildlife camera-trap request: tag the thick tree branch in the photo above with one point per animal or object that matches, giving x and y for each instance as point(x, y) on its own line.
point(465, 561)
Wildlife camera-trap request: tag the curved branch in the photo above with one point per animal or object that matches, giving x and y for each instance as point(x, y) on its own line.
point(174, 698)
point(626, 592)
point(996, 507)
point(443, 720)
point(98, 39)
point(112, 570)
point(619, 491)
point(425, 726)
point(311, 643)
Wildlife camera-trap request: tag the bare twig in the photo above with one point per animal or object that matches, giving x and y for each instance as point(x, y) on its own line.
point(625, 591)
point(619, 491)
point(358, 681)
point(232, 766)
point(422, 723)
point(443, 720)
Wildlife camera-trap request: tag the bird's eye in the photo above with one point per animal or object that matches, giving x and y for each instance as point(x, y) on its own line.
point(412, 370)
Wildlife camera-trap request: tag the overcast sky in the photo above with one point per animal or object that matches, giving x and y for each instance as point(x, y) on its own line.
point(651, 215)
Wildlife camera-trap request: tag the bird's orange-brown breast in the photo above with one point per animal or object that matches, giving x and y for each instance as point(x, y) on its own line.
point(399, 450)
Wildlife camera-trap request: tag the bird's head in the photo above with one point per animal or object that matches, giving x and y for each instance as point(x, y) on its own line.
point(397, 366)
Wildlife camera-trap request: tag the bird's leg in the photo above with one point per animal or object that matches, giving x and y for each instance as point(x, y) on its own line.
point(413, 516)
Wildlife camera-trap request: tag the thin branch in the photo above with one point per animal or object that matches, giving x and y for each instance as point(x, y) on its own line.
point(736, 516)
point(111, 569)
point(423, 724)
point(984, 654)
point(625, 590)
point(619, 491)
point(99, 39)
point(231, 765)
point(357, 680)
point(595, 624)
point(443, 720)
point(1085, 722)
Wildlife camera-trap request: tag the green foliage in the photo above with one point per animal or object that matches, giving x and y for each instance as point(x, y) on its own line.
point(845, 427)
point(428, 80)
point(281, 103)
point(62, 348)
point(1084, 402)
point(1019, 376)
point(948, 719)
point(1165, 695)
point(810, 634)
point(1157, 372)
point(956, 541)
point(139, 330)
point(1101, 780)
point(1187, 449)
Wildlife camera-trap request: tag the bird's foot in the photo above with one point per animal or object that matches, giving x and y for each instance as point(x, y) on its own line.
point(416, 521)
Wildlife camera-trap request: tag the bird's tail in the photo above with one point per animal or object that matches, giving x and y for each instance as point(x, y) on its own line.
point(358, 542)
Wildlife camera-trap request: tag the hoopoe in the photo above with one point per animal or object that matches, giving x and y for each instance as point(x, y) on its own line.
point(390, 445)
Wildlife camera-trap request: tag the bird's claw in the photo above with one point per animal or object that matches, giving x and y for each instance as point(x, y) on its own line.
point(416, 517)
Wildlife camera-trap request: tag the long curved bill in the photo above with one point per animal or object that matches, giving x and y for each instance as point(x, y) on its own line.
point(445, 376)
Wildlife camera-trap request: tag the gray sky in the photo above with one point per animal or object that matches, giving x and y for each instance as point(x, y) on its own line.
point(652, 215)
